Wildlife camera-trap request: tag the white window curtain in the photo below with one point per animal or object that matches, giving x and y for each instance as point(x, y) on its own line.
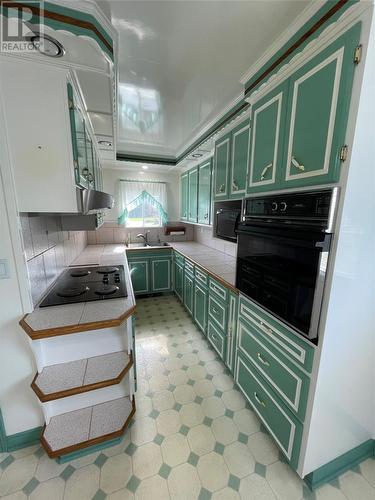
point(134, 193)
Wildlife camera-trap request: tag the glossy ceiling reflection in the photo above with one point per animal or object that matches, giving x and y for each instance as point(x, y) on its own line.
point(180, 63)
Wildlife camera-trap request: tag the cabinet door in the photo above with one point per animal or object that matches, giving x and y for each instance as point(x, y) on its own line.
point(268, 121)
point(78, 134)
point(179, 281)
point(193, 195)
point(189, 293)
point(184, 196)
point(318, 108)
point(161, 274)
point(89, 173)
point(139, 276)
point(239, 160)
point(232, 332)
point(221, 168)
point(200, 307)
point(204, 193)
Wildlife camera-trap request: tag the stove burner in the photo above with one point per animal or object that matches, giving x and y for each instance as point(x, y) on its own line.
point(107, 270)
point(106, 290)
point(80, 273)
point(73, 291)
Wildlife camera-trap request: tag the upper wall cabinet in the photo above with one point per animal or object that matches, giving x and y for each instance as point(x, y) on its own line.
point(193, 195)
point(184, 208)
point(231, 162)
point(204, 192)
point(299, 127)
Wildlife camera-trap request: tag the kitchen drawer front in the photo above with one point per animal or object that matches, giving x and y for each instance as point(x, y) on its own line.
point(201, 276)
point(283, 339)
point(189, 267)
point(290, 383)
point(219, 290)
point(179, 259)
point(217, 312)
point(281, 423)
point(216, 338)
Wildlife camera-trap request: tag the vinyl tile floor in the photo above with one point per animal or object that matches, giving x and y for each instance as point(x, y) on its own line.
point(193, 435)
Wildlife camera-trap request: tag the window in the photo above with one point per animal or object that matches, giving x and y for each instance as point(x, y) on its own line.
point(142, 204)
point(145, 215)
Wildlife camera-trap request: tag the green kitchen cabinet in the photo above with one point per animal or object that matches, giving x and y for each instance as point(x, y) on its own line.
point(161, 274)
point(184, 196)
point(268, 126)
point(179, 280)
point(189, 293)
point(200, 306)
point(239, 160)
point(139, 272)
point(221, 167)
point(318, 107)
point(230, 359)
point(204, 192)
point(193, 195)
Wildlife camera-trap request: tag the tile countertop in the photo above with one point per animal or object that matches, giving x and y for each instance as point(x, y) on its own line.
point(84, 316)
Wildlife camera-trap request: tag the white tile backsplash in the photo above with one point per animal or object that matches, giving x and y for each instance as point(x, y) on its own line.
point(48, 250)
point(204, 236)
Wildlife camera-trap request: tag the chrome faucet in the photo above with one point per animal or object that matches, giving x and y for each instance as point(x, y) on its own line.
point(144, 237)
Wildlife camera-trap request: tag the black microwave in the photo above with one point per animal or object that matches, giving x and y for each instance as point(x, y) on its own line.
point(227, 215)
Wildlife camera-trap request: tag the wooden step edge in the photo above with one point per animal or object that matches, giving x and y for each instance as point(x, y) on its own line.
point(44, 398)
point(78, 328)
point(100, 439)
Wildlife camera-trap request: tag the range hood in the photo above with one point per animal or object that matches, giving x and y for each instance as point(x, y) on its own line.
point(92, 201)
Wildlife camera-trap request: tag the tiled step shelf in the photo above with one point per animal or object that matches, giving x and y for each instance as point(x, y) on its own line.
point(75, 377)
point(85, 427)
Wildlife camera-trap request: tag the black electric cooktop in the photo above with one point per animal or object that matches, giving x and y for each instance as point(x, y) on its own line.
point(85, 284)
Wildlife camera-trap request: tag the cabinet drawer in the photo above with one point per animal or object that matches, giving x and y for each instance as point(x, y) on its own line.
point(219, 290)
point(217, 312)
point(283, 339)
point(281, 423)
point(216, 338)
point(189, 267)
point(201, 276)
point(290, 383)
point(179, 259)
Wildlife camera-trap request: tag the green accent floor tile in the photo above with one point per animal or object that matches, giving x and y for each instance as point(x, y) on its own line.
point(229, 413)
point(171, 387)
point(219, 448)
point(130, 450)
point(39, 452)
point(164, 471)
point(154, 414)
point(201, 363)
point(166, 372)
point(207, 421)
point(308, 494)
point(218, 393)
point(260, 469)
point(158, 439)
point(193, 459)
point(179, 355)
point(6, 462)
point(99, 495)
point(234, 482)
point(198, 400)
point(177, 407)
point(30, 486)
point(100, 460)
point(184, 429)
point(184, 367)
point(335, 483)
point(133, 484)
point(67, 472)
point(209, 376)
point(190, 382)
point(242, 438)
point(204, 494)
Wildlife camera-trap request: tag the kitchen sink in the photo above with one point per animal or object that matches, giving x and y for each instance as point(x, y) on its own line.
point(149, 245)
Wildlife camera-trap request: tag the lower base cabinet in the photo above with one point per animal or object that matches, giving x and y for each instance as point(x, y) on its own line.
point(150, 273)
point(179, 281)
point(200, 307)
point(217, 339)
point(189, 293)
point(139, 272)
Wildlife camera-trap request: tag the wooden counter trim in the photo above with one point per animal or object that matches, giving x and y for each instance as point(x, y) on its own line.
point(83, 388)
point(90, 442)
point(78, 328)
point(210, 273)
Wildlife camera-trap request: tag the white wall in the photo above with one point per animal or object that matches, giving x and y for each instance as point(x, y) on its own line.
point(112, 176)
point(344, 402)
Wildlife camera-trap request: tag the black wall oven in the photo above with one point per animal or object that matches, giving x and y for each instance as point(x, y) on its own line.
point(283, 249)
point(227, 215)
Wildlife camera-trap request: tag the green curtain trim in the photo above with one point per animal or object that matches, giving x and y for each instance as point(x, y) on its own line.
point(144, 196)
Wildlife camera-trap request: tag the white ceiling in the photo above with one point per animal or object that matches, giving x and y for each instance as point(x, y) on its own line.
point(180, 63)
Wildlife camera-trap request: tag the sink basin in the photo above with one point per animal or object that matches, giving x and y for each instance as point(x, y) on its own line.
point(149, 245)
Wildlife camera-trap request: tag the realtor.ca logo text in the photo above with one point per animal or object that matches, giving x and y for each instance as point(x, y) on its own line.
point(19, 21)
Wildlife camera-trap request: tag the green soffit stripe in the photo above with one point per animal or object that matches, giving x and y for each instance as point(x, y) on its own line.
point(308, 25)
point(58, 24)
point(340, 464)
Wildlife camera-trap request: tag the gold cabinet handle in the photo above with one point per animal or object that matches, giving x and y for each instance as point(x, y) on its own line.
point(258, 400)
point(264, 171)
point(221, 188)
point(215, 310)
point(266, 328)
point(234, 186)
point(262, 360)
point(296, 164)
